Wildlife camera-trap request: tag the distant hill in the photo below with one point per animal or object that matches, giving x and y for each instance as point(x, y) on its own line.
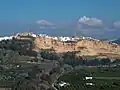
point(117, 41)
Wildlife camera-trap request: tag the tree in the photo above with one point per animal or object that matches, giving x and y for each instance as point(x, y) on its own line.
point(70, 58)
point(46, 77)
point(105, 61)
point(49, 55)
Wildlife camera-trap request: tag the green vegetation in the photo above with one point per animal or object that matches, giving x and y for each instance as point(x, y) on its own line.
point(23, 47)
point(70, 58)
point(103, 79)
point(21, 68)
point(50, 55)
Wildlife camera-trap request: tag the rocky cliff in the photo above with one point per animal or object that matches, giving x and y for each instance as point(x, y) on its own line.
point(86, 47)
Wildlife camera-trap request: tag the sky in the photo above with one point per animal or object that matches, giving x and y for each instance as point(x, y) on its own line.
point(97, 18)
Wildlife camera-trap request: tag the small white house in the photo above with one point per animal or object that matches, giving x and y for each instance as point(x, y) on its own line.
point(90, 84)
point(33, 35)
point(61, 84)
point(88, 78)
point(67, 39)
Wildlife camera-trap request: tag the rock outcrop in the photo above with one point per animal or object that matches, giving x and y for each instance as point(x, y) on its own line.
point(86, 47)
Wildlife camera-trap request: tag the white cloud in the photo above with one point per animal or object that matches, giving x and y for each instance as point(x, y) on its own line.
point(90, 21)
point(88, 26)
point(44, 23)
point(117, 24)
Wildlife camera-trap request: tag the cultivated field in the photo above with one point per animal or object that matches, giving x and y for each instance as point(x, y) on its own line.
point(102, 79)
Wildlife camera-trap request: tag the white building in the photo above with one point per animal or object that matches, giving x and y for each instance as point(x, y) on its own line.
point(42, 35)
point(88, 78)
point(6, 38)
point(26, 34)
point(64, 39)
point(90, 84)
point(61, 84)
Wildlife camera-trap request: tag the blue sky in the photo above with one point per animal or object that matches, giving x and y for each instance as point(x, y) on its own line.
point(18, 15)
point(31, 10)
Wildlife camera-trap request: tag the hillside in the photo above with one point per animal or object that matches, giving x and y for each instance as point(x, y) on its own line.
point(19, 61)
point(85, 46)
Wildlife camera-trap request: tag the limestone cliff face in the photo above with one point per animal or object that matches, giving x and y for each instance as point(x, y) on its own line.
point(98, 47)
point(86, 47)
point(58, 46)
